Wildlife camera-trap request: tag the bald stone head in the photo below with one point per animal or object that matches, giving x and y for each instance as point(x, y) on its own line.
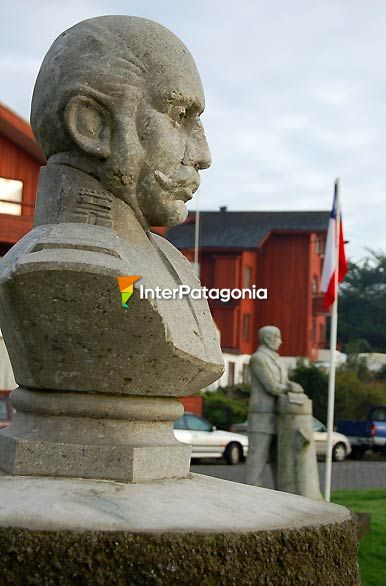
point(270, 336)
point(120, 98)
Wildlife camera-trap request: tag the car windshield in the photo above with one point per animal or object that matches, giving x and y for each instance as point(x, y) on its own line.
point(379, 414)
point(317, 425)
point(196, 423)
point(180, 423)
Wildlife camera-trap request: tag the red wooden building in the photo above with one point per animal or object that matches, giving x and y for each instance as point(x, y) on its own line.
point(20, 162)
point(278, 251)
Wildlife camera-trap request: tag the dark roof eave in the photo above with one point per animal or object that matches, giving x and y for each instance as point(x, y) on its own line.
point(247, 230)
point(20, 132)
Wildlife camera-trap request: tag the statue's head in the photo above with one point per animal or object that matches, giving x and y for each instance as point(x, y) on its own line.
point(270, 336)
point(120, 97)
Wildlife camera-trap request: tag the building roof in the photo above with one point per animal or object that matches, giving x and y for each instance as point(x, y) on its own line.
point(223, 229)
point(19, 131)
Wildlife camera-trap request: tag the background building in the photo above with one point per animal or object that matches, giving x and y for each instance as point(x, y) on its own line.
point(20, 162)
point(280, 251)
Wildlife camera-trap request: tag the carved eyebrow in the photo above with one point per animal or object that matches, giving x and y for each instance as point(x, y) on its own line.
point(164, 101)
point(188, 102)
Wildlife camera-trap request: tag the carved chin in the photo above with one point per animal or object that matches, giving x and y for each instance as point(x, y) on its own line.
point(161, 201)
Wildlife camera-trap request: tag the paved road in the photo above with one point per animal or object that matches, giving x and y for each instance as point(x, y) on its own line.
point(348, 475)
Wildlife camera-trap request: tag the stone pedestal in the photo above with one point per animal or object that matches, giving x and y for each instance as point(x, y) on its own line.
point(297, 463)
point(98, 382)
point(92, 435)
point(196, 531)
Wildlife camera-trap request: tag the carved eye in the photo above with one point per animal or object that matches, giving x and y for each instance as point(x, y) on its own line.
point(178, 114)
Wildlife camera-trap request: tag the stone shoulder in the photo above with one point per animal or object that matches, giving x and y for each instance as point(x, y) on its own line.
point(258, 358)
point(173, 254)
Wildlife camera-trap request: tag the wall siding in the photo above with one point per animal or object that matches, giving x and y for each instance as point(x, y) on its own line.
point(284, 271)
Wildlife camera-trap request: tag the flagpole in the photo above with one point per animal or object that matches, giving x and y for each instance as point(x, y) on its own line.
point(197, 237)
point(333, 340)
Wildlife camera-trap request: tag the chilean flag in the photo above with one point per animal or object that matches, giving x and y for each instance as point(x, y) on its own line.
point(331, 262)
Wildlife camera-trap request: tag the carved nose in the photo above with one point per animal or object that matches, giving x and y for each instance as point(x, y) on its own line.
point(197, 153)
point(205, 161)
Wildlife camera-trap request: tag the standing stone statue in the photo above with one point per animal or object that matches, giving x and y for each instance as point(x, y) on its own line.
point(116, 109)
point(279, 423)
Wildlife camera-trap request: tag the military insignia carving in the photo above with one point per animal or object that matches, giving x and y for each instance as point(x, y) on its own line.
point(94, 207)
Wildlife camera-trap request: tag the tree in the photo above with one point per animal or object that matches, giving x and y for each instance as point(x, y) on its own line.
point(362, 306)
point(315, 384)
point(356, 390)
point(354, 398)
point(380, 374)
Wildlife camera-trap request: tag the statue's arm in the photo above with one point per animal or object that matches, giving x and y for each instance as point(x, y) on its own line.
point(264, 375)
point(295, 387)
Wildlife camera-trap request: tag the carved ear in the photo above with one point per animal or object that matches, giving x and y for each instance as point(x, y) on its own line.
point(88, 124)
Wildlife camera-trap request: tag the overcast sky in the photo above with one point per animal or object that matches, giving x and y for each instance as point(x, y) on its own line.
point(295, 96)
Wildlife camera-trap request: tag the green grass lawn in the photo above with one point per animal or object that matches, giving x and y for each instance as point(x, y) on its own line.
point(372, 551)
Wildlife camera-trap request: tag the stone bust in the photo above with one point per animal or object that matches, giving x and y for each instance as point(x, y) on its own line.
point(116, 109)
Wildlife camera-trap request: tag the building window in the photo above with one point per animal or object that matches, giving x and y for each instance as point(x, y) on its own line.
point(320, 245)
point(11, 193)
point(315, 284)
point(247, 277)
point(231, 373)
point(314, 332)
point(246, 374)
point(322, 335)
point(246, 326)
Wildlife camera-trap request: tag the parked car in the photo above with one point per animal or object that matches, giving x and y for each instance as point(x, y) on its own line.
point(341, 444)
point(209, 442)
point(6, 410)
point(366, 434)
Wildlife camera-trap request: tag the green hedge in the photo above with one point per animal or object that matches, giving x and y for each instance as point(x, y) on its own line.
point(226, 405)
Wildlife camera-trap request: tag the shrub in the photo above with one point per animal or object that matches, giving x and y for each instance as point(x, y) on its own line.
point(315, 384)
point(356, 390)
point(226, 405)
